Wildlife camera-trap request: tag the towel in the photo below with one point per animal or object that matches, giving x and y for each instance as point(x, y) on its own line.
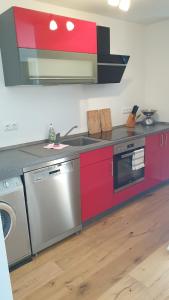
point(56, 147)
point(138, 159)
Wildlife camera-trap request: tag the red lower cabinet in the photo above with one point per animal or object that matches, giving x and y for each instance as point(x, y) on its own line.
point(129, 192)
point(157, 158)
point(153, 159)
point(96, 182)
point(165, 156)
point(97, 192)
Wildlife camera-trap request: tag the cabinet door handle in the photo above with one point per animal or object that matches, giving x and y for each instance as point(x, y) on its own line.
point(112, 173)
point(166, 139)
point(162, 140)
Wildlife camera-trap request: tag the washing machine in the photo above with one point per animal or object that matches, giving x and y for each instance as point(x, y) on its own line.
point(14, 221)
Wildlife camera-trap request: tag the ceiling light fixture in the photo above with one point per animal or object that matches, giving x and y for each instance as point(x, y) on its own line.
point(122, 4)
point(114, 3)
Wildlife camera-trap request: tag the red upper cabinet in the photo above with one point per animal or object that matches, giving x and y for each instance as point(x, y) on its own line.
point(43, 50)
point(33, 31)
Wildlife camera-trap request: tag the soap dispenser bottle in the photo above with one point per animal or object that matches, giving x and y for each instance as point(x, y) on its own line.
point(52, 134)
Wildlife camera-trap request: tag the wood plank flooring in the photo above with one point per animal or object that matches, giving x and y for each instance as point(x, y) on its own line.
point(121, 257)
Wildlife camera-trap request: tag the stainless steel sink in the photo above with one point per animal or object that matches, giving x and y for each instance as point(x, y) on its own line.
point(80, 141)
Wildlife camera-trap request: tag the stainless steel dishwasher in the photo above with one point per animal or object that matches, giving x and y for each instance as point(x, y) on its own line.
point(53, 200)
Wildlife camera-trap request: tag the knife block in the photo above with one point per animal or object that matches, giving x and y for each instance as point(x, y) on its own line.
point(131, 121)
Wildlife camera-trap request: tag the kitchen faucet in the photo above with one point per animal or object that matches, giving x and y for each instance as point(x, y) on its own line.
point(58, 138)
point(70, 130)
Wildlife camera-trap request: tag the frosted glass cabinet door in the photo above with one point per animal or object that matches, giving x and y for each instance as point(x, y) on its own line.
point(5, 285)
point(45, 67)
point(55, 68)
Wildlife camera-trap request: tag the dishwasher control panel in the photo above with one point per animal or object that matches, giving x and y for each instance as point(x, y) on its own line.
point(55, 170)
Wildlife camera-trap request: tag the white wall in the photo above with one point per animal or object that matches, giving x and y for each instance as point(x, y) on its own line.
point(5, 285)
point(33, 108)
point(157, 69)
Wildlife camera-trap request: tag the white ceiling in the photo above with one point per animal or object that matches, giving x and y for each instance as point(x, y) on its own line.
point(141, 11)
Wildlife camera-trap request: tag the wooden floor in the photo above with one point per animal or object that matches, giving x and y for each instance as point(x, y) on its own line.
point(121, 257)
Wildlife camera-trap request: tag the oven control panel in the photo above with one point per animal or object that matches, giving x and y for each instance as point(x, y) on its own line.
point(129, 146)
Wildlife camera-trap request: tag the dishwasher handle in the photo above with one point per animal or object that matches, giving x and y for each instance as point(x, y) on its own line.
point(61, 168)
point(54, 172)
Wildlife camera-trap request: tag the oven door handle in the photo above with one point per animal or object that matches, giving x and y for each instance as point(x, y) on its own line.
point(127, 155)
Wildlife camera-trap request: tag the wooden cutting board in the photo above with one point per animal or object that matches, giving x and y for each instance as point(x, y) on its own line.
point(105, 119)
point(93, 121)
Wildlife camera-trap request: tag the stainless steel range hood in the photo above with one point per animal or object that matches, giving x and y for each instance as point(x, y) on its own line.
point(110, 66)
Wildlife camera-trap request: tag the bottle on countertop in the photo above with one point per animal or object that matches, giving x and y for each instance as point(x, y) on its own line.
point(52, 134)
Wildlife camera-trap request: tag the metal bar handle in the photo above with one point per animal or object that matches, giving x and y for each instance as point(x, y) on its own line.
point(54, 172)
point(60, 78)
point(112, 168)
point(162, 140)
point(166, 139)
point(111, 64)
point(127, 155)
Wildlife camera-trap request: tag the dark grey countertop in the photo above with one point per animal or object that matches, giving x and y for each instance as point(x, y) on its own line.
point(12, 161)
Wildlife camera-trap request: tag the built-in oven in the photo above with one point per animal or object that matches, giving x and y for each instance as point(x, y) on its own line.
point(128, 163)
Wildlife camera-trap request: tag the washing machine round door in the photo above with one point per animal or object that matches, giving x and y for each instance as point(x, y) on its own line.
point(8, 219)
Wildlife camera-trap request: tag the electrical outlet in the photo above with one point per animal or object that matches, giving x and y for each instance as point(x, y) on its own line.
point(14, 126)
point(11, 126)
point(126, 110)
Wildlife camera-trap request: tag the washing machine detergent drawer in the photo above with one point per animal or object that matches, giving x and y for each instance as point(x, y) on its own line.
point(14, 220)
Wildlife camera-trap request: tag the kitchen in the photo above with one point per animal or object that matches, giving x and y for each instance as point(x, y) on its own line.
point(34, 108)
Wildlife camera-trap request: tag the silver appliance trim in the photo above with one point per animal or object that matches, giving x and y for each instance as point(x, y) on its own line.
point(50, 163)
point(58, 238)
point(61, 78)
point(111, 64)
point(127, 155)
point(129, 146)
point(10, 211)
point(129, 184)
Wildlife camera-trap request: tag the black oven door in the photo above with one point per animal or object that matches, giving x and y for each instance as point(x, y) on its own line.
point(124, 175)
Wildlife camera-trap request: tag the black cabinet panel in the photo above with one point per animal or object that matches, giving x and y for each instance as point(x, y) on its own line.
point(103, 40)
point(110, 74)
point(112, 58)
point(110, 66)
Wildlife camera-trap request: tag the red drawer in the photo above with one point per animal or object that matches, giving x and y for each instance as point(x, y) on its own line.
point(32, 31)
point(94, 156)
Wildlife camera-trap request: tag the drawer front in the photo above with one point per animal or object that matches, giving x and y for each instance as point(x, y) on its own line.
point(96, 188)
point(94, 156)
point(33, 31)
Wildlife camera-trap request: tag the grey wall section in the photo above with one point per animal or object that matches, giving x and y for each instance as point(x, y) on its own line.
point(9, 50)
